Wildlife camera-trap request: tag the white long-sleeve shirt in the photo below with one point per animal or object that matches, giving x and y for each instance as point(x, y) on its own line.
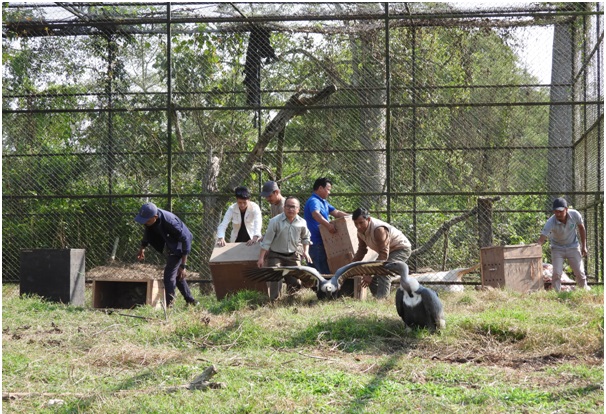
point(252, 220)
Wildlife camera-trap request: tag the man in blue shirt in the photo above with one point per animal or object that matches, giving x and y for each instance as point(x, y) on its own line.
point(561, 229)
point(316, 212)
point(163, 228)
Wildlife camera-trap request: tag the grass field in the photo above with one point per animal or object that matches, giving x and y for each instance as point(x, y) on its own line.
point(500, 352)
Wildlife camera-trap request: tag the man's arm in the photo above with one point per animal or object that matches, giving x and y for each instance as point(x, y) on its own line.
point(323, 222)
point(362, 250)
point(583, 237)
point(338, 214)
point(542, 239)
point(261, 260)
point(382, 239)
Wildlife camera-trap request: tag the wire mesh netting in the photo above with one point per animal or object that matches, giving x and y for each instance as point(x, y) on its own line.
point(422, 113)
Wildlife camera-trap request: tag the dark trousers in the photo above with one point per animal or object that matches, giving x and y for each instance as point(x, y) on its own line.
point(276, 259)
point(320, 261)
point(170, 281)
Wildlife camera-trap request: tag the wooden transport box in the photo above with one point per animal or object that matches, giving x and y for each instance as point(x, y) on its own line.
point(516, 267)
point(342, 246)
point(127, 293)
point(55, 274)
point(227, 264)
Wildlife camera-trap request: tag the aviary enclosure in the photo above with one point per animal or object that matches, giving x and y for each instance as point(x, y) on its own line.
point(458, 123)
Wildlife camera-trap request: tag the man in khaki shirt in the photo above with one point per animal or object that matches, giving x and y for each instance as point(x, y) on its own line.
point(279, 247)
point(391, 244)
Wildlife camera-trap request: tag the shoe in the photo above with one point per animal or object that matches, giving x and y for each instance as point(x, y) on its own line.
point(193, 303)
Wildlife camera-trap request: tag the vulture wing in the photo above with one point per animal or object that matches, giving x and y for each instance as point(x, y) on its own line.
point(373, 268)
point(275, 274)
point(433, 308)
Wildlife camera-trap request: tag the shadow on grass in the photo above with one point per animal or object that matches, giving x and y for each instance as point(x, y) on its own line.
point(357, 334)
point(372, 389)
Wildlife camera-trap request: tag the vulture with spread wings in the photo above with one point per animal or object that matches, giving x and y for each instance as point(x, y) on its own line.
point(325, 288)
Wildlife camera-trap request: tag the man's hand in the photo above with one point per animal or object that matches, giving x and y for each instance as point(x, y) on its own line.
point(307, 258)
point(220, 242)
point(141, 254)
point(366, 280)
point(181, 273)
point(584, 251)
point(252, 241)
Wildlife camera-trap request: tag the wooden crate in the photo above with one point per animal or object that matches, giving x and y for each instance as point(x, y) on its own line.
point(56, 274)
point(518, 267)
point(127, 293)
point(342, 246)
point(227, 264)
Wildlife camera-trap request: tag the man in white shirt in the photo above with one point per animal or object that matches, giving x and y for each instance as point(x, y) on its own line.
point(561, 229)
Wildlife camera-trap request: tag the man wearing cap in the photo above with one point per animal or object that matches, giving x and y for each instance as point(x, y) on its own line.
point(280, 246)
point(316, 212)
point(272, 194)
point(390, 243)
point(164, 229)
point(561, 229)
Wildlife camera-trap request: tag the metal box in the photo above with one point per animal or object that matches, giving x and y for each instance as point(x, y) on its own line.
point(127, 293)
point(55, 274)
point(227, 264)
point(518, 267)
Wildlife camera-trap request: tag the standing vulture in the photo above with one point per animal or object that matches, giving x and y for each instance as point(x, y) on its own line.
point(325, 289)
point(418, 306)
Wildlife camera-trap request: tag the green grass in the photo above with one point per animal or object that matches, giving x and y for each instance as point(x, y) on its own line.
point(500, 352)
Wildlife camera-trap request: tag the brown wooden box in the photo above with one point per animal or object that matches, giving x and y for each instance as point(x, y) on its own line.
point(127, 293)
point(342, 246)
point(227, 265)
point(518, 267)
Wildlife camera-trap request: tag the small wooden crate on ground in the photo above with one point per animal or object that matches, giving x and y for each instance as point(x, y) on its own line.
point(515, 267)
point(126, 285)
point(127, 293)
point(227, 266)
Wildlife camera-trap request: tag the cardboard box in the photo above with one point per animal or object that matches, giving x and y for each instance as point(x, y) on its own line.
point(55, 274)
point(342, 246)
point(518, 267)
point(227, 265)
point(127, 293)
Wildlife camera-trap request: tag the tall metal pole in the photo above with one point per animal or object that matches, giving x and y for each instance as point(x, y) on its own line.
point(387, 115)
point(169, 90)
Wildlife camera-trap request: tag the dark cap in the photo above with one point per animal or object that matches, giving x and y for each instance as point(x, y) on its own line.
point(147, 211)
point(268, 188)
point(560, 204)
point(242, 192)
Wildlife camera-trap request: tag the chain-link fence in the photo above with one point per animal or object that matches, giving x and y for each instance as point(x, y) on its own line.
point(457, 124)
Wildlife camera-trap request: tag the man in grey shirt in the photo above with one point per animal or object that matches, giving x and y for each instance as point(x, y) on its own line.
point(274, 197)
point(279, 247)
point(561, 229)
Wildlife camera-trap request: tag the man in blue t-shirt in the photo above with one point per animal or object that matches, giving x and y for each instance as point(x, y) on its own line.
point(561, 229)
point(316, 212)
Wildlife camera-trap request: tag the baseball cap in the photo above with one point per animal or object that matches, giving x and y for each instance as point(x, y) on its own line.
point(560, 204)
point(268, 188)
point(147, 211)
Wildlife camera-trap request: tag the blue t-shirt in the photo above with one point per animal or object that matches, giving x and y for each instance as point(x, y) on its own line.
point(316, 203)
